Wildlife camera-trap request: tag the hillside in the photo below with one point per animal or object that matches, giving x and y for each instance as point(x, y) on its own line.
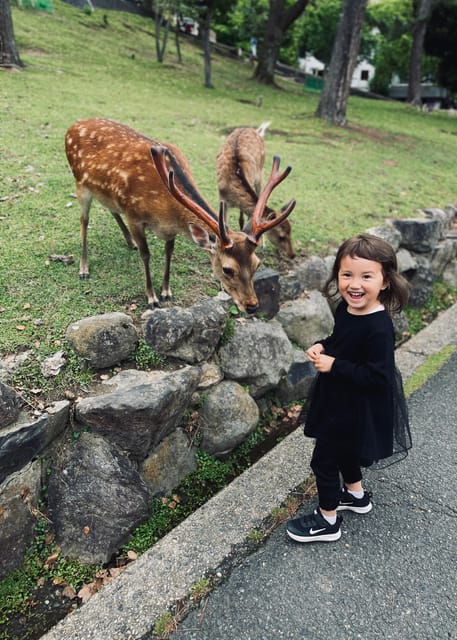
point(387, 162)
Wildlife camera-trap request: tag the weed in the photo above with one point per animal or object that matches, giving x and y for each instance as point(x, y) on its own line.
point(146, 358)
point(200, 589)
point(164, 626)
point(255, 535)
point(442, 297)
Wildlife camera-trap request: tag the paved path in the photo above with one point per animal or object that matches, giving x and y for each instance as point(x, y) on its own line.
point(392, 575)
point(421, 604)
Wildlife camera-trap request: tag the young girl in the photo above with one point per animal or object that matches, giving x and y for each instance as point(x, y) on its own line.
point(357, 411)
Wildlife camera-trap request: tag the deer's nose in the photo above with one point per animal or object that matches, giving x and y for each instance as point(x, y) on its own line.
point(251, 308)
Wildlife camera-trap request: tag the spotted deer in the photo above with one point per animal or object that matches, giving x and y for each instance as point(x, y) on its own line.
point(149, 183)
point(239, 167)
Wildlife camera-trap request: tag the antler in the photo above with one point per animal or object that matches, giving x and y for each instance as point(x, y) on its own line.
point(259, 226)
point(217, 224)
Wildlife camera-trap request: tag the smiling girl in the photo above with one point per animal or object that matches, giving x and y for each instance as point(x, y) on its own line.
point(357, 411)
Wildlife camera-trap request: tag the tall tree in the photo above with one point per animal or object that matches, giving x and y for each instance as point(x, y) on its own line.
point(206, 12)
point(441, 43)
point(279, 20)
point(9, 55)
point(337, 83)
point(161, 17)
point(423, 13)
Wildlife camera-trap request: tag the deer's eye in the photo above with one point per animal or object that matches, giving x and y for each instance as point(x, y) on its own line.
point(228, 271)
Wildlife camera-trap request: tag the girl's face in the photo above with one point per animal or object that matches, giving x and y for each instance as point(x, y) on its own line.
point(360, 282)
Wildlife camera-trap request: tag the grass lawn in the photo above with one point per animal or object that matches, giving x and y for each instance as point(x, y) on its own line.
point(389, 161)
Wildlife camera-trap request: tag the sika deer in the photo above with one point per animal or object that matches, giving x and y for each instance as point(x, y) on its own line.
point(113, 163)
point(239, 167)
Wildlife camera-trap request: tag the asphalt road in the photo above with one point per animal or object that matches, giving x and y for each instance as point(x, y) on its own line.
point(391, 576)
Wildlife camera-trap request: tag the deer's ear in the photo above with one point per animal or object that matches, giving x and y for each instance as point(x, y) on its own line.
point(205, 240)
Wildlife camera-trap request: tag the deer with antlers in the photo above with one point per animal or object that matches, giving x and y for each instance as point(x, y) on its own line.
point(239, 168)
point(151, 185)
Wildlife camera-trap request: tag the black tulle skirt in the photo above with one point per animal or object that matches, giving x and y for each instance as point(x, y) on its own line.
point(396, 434)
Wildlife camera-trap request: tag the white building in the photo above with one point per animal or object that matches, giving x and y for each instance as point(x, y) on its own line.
point(363, 73)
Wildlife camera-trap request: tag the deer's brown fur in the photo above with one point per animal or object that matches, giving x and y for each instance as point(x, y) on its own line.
point(239, 168)
point(112, 163)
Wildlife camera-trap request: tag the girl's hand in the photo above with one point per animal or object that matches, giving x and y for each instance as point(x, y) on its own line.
point(314, 351)
point(324, 363)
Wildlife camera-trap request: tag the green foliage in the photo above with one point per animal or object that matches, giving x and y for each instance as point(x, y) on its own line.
point(200, 589)
point(164, 626)
point(43, 563)
point(320, 23)
point(443, 296)
point(428, 369)
point(229, 329)
point(146, 358)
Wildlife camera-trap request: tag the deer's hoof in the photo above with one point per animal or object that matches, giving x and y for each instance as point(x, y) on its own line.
point(83, 276)
point(154, 305)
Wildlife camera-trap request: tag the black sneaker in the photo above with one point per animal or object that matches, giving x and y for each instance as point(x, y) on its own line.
point(314, 528)
point(348, 502)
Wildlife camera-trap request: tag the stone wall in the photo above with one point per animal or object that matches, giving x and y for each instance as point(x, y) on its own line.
point(222, 372)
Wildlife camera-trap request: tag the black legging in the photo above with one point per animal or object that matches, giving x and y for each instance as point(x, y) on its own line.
point(329, 459)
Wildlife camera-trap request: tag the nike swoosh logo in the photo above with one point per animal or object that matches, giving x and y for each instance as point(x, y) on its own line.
point(312, 532)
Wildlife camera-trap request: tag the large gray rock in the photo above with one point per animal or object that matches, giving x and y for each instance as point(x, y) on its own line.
point(26, 438)
point(290, 286)
point(167, 465)
point(10, 405)
point(18, 496)
point(104, 340)
point(444, 253)
point(307, 319)
point(406, 262)
point(267, 289)
point(450, 274)
point(420, 235)
point(388, 233)
point(421, 281)
point(312, 273)
point(139, 408)
point(259, 354)
point(297, 383)
point(96, 499)
point(228, 415)
point(189, 334)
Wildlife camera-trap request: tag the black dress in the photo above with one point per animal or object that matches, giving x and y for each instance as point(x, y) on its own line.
point(361, 399)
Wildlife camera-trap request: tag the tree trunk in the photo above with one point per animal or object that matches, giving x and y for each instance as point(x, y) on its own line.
point(415, 66)
point(161, 40)
point(9, 55)
point(206, 31)
point(337, 84)
point(279, 20)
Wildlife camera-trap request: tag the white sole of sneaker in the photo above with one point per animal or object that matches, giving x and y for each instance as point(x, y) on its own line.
point(343, 507)
point(328, 537)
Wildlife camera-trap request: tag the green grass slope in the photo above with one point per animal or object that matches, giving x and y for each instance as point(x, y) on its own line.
point(389, 161)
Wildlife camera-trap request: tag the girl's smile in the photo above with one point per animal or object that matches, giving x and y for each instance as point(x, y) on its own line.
point(360, 282)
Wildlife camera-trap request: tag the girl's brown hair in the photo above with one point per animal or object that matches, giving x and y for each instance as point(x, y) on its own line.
point(396, 294)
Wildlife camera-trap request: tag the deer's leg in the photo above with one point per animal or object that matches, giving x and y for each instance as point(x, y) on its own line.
point(85, 199)
point(125, 231)
point(166, 291)
point(241, 220)
point(139, 237)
